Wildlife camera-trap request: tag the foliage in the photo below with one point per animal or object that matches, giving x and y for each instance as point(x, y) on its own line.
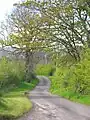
point(73, 82)
point(81, 75)
point(60, 25)
point(23, 31)
point(46, 69)
point(66, 25)
point(62, 60)
point(11, 73)
point(58, 79)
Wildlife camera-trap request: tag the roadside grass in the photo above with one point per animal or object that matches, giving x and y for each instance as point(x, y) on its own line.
point(56, 89)
point(14, 107)
point(14, 103)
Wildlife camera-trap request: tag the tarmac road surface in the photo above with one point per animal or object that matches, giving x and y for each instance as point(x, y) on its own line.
point(51, 107)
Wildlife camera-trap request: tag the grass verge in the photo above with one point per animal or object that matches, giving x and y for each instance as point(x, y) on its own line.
point(15, 103)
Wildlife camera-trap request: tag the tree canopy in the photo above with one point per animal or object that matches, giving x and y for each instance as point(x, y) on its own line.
point(59, 26)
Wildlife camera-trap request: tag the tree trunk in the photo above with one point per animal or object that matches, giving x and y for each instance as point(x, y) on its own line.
point(88, 38)
point(29, 66)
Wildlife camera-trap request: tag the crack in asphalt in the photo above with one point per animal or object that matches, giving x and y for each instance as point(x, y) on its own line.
point(53, 107)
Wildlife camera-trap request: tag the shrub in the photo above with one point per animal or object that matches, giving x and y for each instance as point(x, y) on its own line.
point(11, 72)
point(74, 79)
point(80, 77)
point(58, 81)
point(46, 70)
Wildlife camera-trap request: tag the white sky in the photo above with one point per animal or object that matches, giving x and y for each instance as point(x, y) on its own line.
point(5, 7)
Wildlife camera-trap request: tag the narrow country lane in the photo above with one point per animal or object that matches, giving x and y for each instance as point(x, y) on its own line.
point(52, 107)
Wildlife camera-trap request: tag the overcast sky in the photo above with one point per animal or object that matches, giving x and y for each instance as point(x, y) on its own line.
point(5, 7)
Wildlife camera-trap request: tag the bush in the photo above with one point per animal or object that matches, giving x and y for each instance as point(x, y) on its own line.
point(46, 70)
point(74, 80)
point(80, 77)
point(58, 81)
point(11, 72)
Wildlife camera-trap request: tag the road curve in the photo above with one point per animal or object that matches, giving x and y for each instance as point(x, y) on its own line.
point(52, 107)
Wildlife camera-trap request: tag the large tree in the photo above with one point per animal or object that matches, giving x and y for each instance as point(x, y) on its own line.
point(62, 26)
point(23, 34)
point(67, 24)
